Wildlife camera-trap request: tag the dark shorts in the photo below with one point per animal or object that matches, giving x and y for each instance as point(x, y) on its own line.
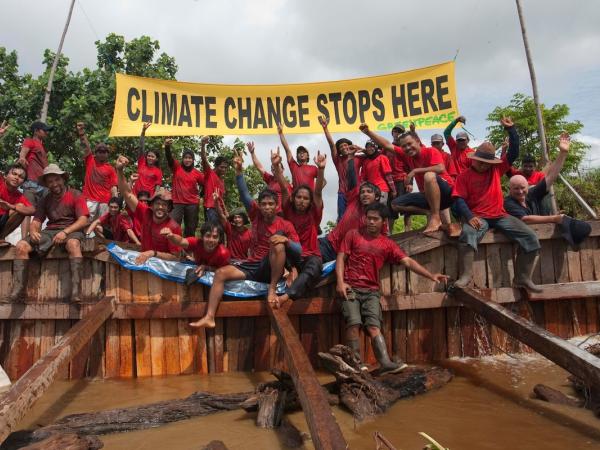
point(45, 244)
point(326, 249)
point(400, 190)
point(363, 307)
point(419, 200)
point(3, 220)
point(256, 270)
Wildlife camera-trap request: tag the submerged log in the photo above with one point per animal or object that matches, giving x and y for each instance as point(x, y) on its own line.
point(551, 395)
point(366, 396)
point(271, 404)
point(65, 441)
point(215, 445)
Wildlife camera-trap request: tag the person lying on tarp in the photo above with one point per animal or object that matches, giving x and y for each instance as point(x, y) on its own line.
point(152, 218)
point(114, 225)
point(67, 215)
point(361, 256)
point(304, 209)
point(527, 203)
point(208, 250)
point(273, 240)
point(14, 206)
point(479, 203)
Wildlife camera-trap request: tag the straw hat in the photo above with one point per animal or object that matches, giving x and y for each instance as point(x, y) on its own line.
point(485, 153)
point(52, 169)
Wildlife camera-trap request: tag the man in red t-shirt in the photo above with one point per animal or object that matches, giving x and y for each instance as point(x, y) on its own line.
point(186, 183)
point(100, 182)
point(34, 158)
point(114, 225)
point(149, 173)
point(239, 237)
point(67, 215)
point(359, 260)
point(459, 148)
point(480, 203)
point(209, 251)
point(528, 164)
point(152, 217)
point(273, 240)
point(267, 177)
point(302, 171)
point(14, 206)
point(427, 168)
point(213, 181)
point(304, 209)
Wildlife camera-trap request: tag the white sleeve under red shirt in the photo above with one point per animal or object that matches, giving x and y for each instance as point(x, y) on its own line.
point(99, 179)
point(219, 257)
point(262, 232)
point(307, 227)
point(483, 191)
point(150, 238)
point(427, 157)
point(366, 257)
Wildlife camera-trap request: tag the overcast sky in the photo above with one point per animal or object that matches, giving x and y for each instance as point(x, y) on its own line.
point(278, 41)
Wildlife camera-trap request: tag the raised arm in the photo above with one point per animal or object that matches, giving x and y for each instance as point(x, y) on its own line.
point(277, 169)
point(320, 161)
point(451, 125)
point(255, 160)
point(554, 169)
point(379, 140)
point(169, 153)
point(141, 149)
point(220, 207)
point(324, 121)
point(205, 163)
point(351, 175)
point(174, 239)
point(238, 166)
point(128, 196)
point(513, 140)
point(284, 143)
point(83, 140)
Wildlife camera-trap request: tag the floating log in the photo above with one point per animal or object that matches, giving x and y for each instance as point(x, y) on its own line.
point(551, 395)
point(17, 401)
point(66, 441)
point(568, 356)
point(366, 396)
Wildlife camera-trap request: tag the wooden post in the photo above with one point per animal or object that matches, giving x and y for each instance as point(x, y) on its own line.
point(324, 429)
point(568, 356)
point(16, 402)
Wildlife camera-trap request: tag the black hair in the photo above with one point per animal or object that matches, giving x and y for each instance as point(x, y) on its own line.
point(399, 129)
point(20, 167)
point(116, 200)
point(381, 209)
point(220, 160)
point(412, 134)
point(101, 145)
point(341, 141)
point(268, 193)
point(371, 186)
point(302, 186)
point(207, 227)
point(155, 152)
point(142, 193)
point(188, 151)
point(529, 159)
point(301, 148)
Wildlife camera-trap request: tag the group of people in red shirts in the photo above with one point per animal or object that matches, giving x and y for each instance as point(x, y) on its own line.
point(278, 232)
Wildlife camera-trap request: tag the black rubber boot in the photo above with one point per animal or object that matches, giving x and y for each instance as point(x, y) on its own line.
point(523, 271)
point(466, 256)
point(354, 344)
point(17, 295)
point(76, 271)
point(190, 276)
point(386, 365)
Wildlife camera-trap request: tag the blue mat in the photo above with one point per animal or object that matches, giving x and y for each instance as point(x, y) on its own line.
point(175, 271)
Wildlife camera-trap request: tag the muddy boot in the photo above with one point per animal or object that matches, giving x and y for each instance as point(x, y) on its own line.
point(466, 256)
point(76, 270)
point(523, 270)
point(355, 346)
point(17, 295)
point(386, 365)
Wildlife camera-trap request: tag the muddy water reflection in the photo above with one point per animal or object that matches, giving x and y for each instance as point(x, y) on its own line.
point(469, 413)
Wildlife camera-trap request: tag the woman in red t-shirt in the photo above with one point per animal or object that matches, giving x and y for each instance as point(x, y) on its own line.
point(237, 233)
point(148, 167)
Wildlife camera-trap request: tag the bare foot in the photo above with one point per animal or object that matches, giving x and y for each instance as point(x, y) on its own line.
point(291, 277)
point(272, 298)
point(452, 229)
point(433, 225)
point(205, 322)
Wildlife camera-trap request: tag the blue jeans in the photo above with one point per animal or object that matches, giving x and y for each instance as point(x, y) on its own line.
point(341, 206)
point(511, 227)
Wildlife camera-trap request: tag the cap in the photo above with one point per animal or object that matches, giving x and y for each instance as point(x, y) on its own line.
point(437, 138)
point(461, 135)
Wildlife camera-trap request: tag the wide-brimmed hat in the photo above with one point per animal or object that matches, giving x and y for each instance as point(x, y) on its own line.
point(574, 230)
point(162, 194)
point(486, 153)
point(239, 212)
point(52, 169)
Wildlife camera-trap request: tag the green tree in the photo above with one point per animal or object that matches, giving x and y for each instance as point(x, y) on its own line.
point(522, 110)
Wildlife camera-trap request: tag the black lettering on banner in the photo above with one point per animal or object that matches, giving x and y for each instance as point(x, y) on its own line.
point(196, 100)
point(378, 105)
point(441, 91)
point(349, 107)
point(145, 116)
point(335, 97)
point(427, 90)
point(259, 115)
point(133, 115)
point(273, 111)
point(229, 104)
point(303, 110)
point(184, 114)
point(210, 111)
point(289, 117)
point(364, 103)
point(169, 109)
point(399, 99)
point(413, 98)
point(156, 106)
point(244, 113)
point(321, 102)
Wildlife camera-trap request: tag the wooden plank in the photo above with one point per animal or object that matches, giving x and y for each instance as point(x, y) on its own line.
point(112, 349)
point(218, 345)
point(62, 327)
point(232, 327)
point(157, 347)
point(96, 362)
point(5, 278)
point(188, 348)
point(324, 430)
point(262, 348)
point(143, 355)
point(568, 356)
point(19, 399)
point(246, 344)
point(127, 351)
point(171, 344)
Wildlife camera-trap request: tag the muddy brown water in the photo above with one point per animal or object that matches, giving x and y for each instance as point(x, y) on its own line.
point(486, 406)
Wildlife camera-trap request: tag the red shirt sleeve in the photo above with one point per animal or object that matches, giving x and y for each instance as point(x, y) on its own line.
point(384, 163)
point(432, 157)
point(268, 177)
point(395, 253)
point(140, 212)
point(176, 229)
point(461, 186)
point(104, 219)
point(290, 232)
point(125, 222)
point(348, 242)
point(81, 208)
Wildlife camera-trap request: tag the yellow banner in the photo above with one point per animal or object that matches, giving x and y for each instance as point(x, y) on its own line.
point(425, 96)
